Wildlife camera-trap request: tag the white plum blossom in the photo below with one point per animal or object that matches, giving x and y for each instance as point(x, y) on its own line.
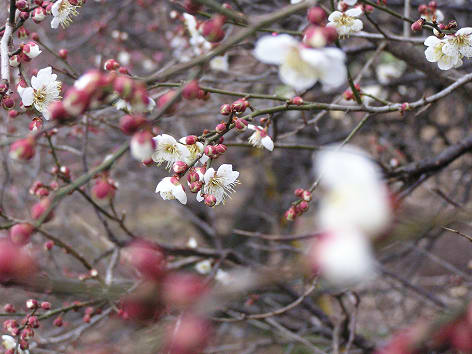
point(435, 54)
point(203, 267)
point(302, 67)
point(169, 150)
point(459, 44)
point(194, 150)
point(343, 257)
point(220, 63)
point(9, 343)
point(355, 196)
point(219, 183)
point(170, 189)
point(45, 90)
point(350, 2)
point(260, 138)
point(192, 242)
point(127, 107)
point(63, 10)
point(346, 23)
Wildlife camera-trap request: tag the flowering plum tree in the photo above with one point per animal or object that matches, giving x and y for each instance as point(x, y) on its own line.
point(309, 161)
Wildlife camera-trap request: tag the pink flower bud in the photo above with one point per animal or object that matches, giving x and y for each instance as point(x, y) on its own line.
point(8, 102)
point(195, 186)
point(297, 100)
point(46, 305)
point(58, 322)
point(48, 245)
point(422, 9)
point(130, 124)
point(32, 304)
point(36, 125)
point(23, 32)
point(179, 167)
point(103, 189)
point(290, 214)
point(433, 5)
point(306, 196)
point(220, 128)
point(3, 87)
point(164, 99)
point(124, 86)
point(9, 308)
point(192, 175)
point(303, 206)
point(142, 146)
point(220, 149)
point(417, 25)
point(35, 36)
point(192, 7)
point(147, 258)
point(191, 139)
point(182, 289)
point(57, 111)
point(33, 321)
point(240, 105)
point(76, 101)
point(299, 192)
point(225, 109)
point(210, 200)
point(63, 53)
point(111, 64)
point(190, 335)
point(27, 333)
point(210, 151)
point(23, 149)
point(316, 15)
point(191, 90)
point(240, 124)
point(22, 5)
point(14, 60)
point(39, 14)
point(20, 234)
point(342, 6)
point(41, 207)
point(24, 15)
point(212, 30)
point(12, 113)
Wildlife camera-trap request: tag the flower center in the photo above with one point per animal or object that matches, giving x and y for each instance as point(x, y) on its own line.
point(171, 149)
point(39, 95)
point(345, 20)
point(460, 40)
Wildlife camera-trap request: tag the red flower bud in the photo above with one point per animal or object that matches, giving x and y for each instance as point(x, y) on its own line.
point(212, 29)
point(130, 124)
point(20, 234)
point(225, 109)
point(124, 86)
point(316, 15)
point(220, 128)
point(147, 258)
point(240, 105)
point(23, 149)
point(38, 210)
point(417, 25)
point(182, 289)
point(103, 189)
point(290, 214)
point(297, 100)
point(76, 101)
point(195, 186)
point(192, 7)
point(210, 200)
point(179, 167)
point(63, 53)
point(35, 125)
point(191, 139)
point(57, 111)
point(46, 305)
point(22, 5)
point(191, 90)
point(189, 335)
point(111, 64)
point(164, 99)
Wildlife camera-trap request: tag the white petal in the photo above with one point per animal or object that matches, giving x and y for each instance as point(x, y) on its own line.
point(272, 49)
point(251, 126)
point(355, 12)
point(431, 55)
point(199, 197)
point(466, 51)
point(208, 174)
point(179, 194)
point(27, 96)
point(267, 143)
point(464, 31)
point(335, 16)
point(431, 41)
point(450, 49)
point(357, 26)
point(55, 22)
point(350, 2)
point(299, 80)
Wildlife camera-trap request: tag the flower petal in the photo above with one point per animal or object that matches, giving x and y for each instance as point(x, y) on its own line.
point(27, 96)
point(179, 194)
point(272, 49)
point(267, 143)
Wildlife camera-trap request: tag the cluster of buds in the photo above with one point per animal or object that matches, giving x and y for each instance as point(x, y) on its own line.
point(300, 206)
point(215, 151)
point(94, 88)
point(63, 172)
point(349, 95)
point(238, 106)
point(41, 190)
point(194, 179)
point(318, 35)
point(429, 9)
point(104, 188)
point(22, 33)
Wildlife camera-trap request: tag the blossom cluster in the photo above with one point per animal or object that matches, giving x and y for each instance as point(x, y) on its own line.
point(449, 51)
